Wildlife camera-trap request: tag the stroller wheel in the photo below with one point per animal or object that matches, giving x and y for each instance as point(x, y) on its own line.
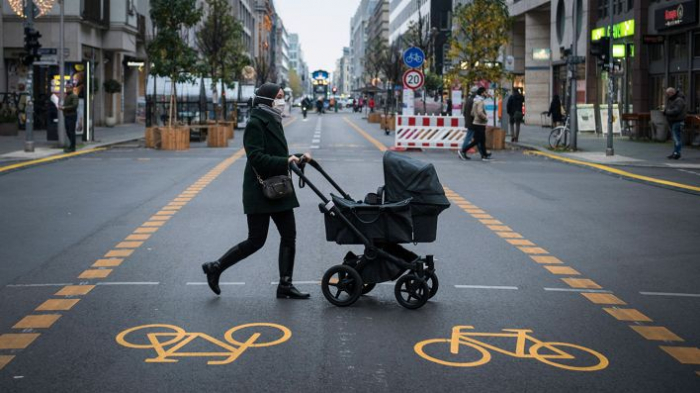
point(411, 291)
point(341, 285)
point(367, 288)
point(432, 280)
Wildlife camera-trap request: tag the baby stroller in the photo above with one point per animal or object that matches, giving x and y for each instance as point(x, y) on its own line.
point(404, 210)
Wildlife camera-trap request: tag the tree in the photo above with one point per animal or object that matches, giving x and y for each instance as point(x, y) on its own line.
point(169, 51)
point(481, 30)
point(295, 84)
point(221, 44)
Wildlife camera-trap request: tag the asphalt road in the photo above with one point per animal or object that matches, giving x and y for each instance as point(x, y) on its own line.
point(605, 268)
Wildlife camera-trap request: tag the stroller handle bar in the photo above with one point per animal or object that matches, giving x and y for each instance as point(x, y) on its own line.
point(299, 170)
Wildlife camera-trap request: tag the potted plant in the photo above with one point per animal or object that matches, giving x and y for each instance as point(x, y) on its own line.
point(112, 86)
point(8, 122)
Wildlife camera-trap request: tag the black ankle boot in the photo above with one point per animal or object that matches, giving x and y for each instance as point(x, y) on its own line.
point(213, 271)
point(285, 290)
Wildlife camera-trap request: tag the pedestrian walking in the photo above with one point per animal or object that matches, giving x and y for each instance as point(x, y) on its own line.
point(70, 114)
point(514, 108)
point(268, 155)
point(675, 115)
point(479, 121)
point(468, 120)
point(555, 111)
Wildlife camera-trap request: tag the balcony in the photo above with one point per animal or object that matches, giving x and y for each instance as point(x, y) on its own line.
point(95, 11)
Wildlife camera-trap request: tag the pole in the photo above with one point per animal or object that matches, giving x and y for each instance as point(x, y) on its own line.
point(62, 87)
point(609, 151)
point(29, 133)
point(573, 116)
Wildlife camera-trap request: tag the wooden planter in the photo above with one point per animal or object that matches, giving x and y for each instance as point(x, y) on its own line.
point(218, 136)
point(495, 138)
point(176, 138)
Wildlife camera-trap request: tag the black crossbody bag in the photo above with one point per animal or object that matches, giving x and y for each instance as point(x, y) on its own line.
point(275, 187)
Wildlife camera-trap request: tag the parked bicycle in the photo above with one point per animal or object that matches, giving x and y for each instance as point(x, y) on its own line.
point(560, 137)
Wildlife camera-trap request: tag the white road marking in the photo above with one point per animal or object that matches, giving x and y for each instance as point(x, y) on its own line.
point(577, 290)
point(485, 287)
point(221, 283)
point(670, 294)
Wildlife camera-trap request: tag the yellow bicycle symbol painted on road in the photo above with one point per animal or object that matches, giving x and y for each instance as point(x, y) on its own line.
point(167, 340)
point(558, 354)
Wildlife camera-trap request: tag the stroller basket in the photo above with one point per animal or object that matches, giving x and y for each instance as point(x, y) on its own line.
point(387, 223)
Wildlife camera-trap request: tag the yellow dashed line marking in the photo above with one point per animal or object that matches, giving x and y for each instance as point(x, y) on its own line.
point(509, 235)
point(501, 228)
point(627, 314)
point(656, 333)
point(562, 270)
point(533, 250)
point(153, 224)
point(17, 340)
point(37, 321)
point(5, 359)
point(57, 305)
point(146, 230)
point(545, 259)
point(685, 355)
point(584, 283)
point(74, 290)
point(138, 237)
point(95, 273)
point(129, 244)
point(603, 298)
point(491, 222)
point(119, 253)
point(520, 242)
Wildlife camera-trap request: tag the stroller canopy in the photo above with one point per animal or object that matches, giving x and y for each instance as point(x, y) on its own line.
point(406, 177)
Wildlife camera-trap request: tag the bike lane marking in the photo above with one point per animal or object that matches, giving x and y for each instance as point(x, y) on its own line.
point(113, 258)
point(684, 355)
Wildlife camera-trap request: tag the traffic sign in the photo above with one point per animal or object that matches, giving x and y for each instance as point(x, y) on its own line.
point(413, 79)
point(413, 57)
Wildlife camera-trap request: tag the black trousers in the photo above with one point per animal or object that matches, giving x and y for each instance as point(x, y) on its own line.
point(479, 139)
point(70, 128)
point(258, 225)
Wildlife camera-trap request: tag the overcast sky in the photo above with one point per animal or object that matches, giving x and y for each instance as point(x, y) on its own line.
point(323, 27)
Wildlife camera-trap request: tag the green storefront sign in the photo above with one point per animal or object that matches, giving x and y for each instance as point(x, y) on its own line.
point(622, 29)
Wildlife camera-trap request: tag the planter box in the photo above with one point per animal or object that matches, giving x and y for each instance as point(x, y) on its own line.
point(218, 136)
point(495, 138)
point(177, 138)
point(9, 129)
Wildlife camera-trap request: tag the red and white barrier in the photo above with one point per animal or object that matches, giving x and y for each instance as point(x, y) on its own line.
point(429, 132)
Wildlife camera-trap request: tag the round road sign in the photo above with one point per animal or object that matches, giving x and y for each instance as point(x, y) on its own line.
point(413, 79)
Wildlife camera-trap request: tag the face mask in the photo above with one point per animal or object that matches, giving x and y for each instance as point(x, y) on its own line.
point(279, 105)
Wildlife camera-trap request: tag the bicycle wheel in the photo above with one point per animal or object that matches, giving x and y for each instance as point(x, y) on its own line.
point(419, 348)
point(556, 137)
point(558, 355)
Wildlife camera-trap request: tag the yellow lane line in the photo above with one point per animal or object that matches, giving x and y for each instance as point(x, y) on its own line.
point(615, 171)
point(684, 355)
point(48, 159)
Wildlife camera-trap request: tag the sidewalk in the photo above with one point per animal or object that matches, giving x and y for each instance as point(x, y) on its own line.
point(12, 147)
point(627, 152)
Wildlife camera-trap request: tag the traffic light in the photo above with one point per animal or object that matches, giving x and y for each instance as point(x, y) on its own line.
point(31, 45)
point(601, 50)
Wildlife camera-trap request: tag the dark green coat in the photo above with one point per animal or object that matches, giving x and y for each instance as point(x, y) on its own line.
point(266, 150)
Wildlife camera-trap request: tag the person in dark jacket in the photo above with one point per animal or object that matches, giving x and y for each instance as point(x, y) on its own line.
point(675, 114)
point(268, 155)
point(555, 111)
point(514, 108)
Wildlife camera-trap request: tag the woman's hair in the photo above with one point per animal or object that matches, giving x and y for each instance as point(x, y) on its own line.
point(266, 94)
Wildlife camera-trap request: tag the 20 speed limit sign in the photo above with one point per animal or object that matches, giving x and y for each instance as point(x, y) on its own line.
point(413, 79)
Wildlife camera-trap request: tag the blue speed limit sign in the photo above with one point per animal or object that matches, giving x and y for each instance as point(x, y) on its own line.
point(413, 57)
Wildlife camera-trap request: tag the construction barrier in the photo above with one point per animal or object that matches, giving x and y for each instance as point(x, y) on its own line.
point(429, 132)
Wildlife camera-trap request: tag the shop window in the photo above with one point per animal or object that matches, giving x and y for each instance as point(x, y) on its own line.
point(678, 46)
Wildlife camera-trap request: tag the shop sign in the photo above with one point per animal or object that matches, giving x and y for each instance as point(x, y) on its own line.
point(622, 29)
point(677, 15)
point(541, 54)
